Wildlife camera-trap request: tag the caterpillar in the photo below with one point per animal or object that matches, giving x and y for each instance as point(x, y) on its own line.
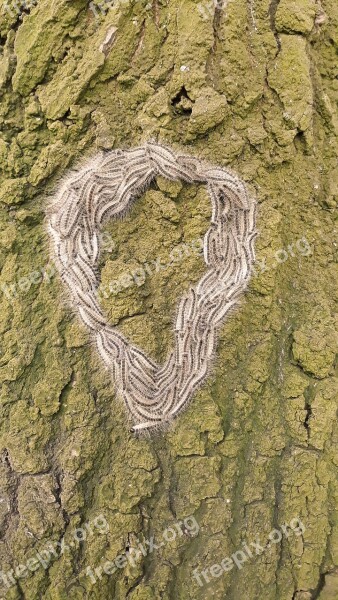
point(103, 189)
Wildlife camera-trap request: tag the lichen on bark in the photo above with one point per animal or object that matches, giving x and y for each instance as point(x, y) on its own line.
point(250, 85)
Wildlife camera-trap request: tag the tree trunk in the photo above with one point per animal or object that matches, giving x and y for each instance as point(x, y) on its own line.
point(237, 499)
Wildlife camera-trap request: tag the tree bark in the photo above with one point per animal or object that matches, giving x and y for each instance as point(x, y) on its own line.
point(243, 485)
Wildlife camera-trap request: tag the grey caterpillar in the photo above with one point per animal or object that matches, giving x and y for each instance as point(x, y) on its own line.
point(104, 188)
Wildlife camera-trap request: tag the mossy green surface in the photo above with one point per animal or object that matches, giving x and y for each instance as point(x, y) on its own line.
point(252, 86)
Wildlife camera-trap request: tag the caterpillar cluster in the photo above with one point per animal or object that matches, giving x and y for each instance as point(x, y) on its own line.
point(104, 188)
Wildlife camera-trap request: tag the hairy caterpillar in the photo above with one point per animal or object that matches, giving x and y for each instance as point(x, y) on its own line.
point(103, 189)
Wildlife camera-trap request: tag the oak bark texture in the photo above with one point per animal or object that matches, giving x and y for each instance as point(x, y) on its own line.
point(252, 85)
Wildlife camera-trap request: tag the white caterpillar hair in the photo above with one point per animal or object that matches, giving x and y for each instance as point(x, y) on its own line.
point(104, 188)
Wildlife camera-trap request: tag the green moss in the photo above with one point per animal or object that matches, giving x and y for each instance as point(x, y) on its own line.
point(330, 588)
point(257, 447)
point(315, 348)
point(290, 77)
point(208, 111)
point(13, 191)
point(140, 265)
point(295, 17)
point(39, 39)
point(204, 473)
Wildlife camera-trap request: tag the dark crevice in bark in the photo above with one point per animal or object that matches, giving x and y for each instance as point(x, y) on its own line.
point(308, 395)
point(307, 418)
point(272, 14)
point(57, 493)
point(321, 584)
point(214, 9)
point(135, 584)
point(181, 102)
point(219, 6)
point(13, 486)
point(140, 42)
point(19, 11)
point(172, 493)
point(181, 94)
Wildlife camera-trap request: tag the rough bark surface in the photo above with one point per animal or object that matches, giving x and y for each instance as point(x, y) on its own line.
point(250, 84)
